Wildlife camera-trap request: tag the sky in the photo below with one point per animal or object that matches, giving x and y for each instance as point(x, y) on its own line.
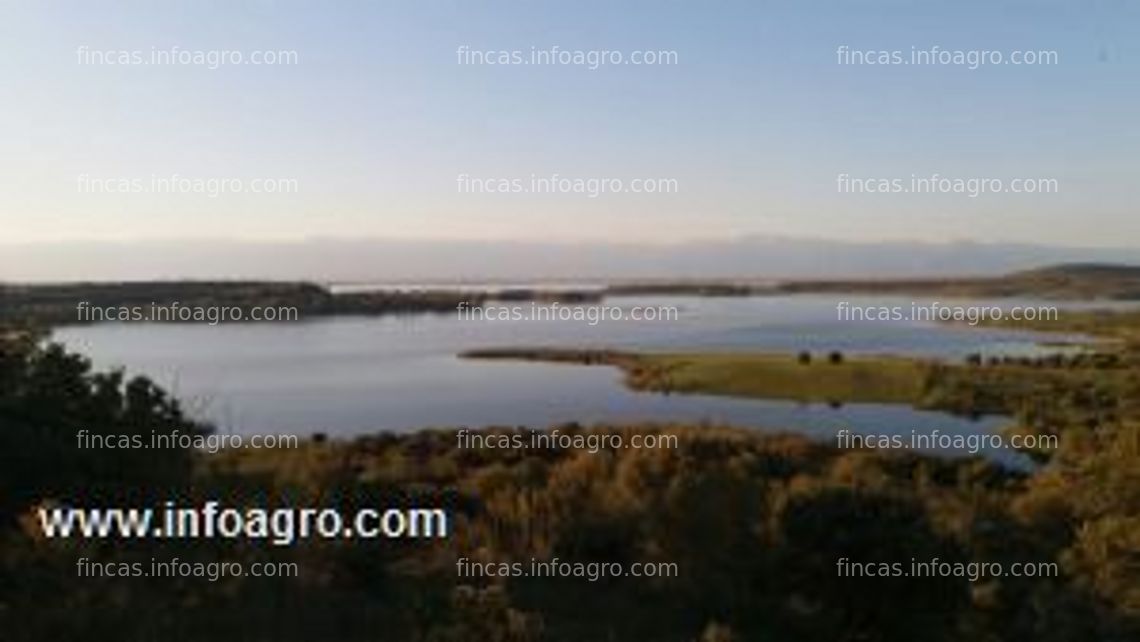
point(370, 132)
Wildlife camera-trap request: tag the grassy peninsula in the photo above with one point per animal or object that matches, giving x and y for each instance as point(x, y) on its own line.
point(818, 378)
point(1042, 393)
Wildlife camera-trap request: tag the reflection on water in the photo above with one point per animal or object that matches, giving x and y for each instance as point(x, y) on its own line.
point(357, 374)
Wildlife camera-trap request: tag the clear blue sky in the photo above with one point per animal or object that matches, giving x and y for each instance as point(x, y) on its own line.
point(754, 123)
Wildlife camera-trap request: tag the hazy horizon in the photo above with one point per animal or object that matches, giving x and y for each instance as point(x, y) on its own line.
point(388, 260)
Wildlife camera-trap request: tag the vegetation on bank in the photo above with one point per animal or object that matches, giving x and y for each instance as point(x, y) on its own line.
point(976, 387)
point(1044, 395)
point(1078, 281)
point(57, 304)
point(40, 305)
point(1122, 325)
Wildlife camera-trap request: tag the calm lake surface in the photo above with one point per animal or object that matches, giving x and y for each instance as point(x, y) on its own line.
point(351, 375)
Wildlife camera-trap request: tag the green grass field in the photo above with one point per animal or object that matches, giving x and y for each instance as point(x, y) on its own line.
point(757, 375)
point(776, 376)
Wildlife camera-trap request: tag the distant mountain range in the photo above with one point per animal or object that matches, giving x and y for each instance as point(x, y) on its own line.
point(335, 260)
